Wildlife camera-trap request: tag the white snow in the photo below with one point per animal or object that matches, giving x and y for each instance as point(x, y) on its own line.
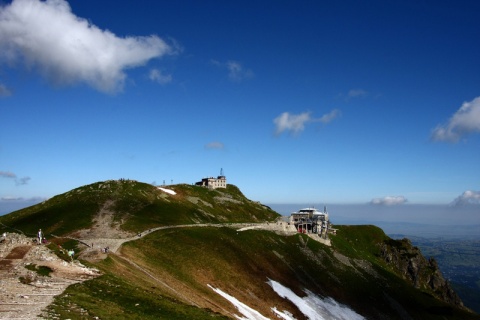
point(312, 306)
point(167, 190)
point(249, 313)
point(283, 315)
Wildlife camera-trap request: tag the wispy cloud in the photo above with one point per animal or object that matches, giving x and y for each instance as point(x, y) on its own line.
point(295, 123)
point(11, 198)
point(328, 117)
point(466, 120)
point(236, 71)
point(389, 200)
point(22, 181)
point(469, 197)
point(357, 93)
point(11, 203)
point(46, 36)
point(11, 175)
point(157, 76)
point(4, 91)
point(7, 174)
point(215, 145)
point(22, 199)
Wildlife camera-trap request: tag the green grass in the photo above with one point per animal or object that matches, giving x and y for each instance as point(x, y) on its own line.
point(40, 270)
point(360, 241)
point(111, 297)
point(240, 263)
point(173, 267)
point(61, 246)
point(238, 259)
point(138, 206)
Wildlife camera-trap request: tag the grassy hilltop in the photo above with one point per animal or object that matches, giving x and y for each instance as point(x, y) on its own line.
point(166, 274)
point(137, 206)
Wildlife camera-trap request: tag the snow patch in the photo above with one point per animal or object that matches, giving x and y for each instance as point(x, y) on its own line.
point(314, 307)
point(167, 191)
point(249, 313)
point(283, 315)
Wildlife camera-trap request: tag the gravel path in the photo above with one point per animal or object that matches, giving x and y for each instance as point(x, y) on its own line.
point(24, 293)
point(27, 298)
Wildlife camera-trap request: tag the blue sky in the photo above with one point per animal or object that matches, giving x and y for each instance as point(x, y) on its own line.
point(339, 102)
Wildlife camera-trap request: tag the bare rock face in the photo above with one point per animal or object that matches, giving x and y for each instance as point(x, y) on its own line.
point(408, 261)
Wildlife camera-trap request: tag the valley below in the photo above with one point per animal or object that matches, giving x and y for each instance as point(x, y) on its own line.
point(459, 261)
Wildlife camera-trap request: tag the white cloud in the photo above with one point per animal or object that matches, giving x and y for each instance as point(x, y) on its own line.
point(357, 93)
point(389, 200)
point(215, 145)
point(11, 198)
point(296, 123)
point(291, 122)
point(467, 198)
point(157, 76)
point(465, 120)
point(236, 71)
point(328, 117)
point(4, 91)
point(66, 49)
point(10, 203)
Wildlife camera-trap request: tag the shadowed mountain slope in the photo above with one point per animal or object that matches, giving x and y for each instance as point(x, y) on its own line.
point(171, 273)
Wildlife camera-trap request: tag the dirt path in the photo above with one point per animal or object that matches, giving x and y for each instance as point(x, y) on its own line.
point(96, 244)
point(25, 293)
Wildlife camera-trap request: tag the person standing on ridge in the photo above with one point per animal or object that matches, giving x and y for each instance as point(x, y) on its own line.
point(39, 236)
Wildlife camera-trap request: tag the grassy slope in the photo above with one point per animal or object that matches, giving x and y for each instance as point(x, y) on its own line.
point(139, 205)
point(180, 263)
point(172, 267)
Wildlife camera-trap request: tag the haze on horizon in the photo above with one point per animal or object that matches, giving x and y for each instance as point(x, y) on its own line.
point(372, 105)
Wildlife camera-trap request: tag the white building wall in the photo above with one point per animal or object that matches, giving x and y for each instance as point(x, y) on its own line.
point(213, 183)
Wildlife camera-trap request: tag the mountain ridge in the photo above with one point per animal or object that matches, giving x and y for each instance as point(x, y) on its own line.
point(355, 270)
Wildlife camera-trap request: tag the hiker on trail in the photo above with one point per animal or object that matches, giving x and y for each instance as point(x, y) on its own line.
point(71, 253)
point(39, 236)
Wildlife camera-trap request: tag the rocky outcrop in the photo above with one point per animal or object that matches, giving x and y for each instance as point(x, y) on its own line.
point(408, 261)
